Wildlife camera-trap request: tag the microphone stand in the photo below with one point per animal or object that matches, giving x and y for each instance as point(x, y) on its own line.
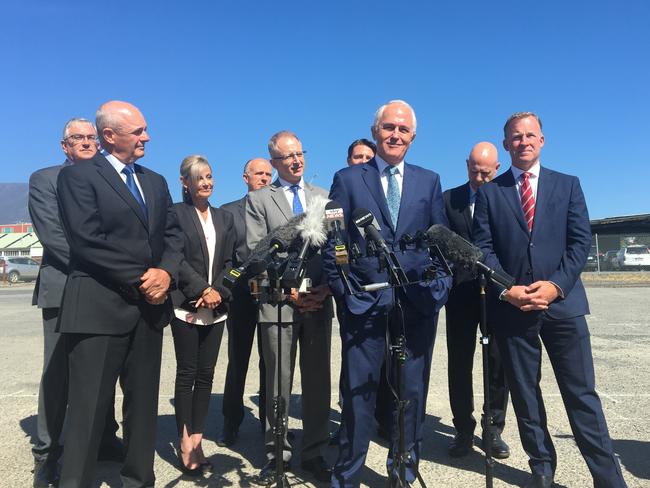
point(488, 420)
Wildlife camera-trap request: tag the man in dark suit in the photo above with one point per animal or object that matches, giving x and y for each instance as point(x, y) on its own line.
point(404, 198)
point(532, 223)
point(463, 315)
point(242, 316)
point(124, 253)
point(79, 144)
point(308, 318)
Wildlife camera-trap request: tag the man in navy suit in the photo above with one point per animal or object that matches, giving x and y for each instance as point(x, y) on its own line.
point(125, 250)
point(404, 198)
point(532, 222)
point(463, 314)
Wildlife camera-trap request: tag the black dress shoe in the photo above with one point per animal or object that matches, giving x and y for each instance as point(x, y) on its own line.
point(45, 474)
point(267, 473)
point(111, 451)
point(539, 481)
point(318, 468)
point(194, 472)
point(500, 449)
point(461, 444)
point(228, 435)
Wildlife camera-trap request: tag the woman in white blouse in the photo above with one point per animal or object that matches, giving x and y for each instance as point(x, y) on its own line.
point(200, 307)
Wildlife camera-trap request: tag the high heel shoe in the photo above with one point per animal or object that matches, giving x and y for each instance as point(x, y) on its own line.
point(198, 471)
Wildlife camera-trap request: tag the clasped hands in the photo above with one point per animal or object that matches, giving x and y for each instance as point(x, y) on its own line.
point(536, 296)
point(312, 301)
point(154, 285)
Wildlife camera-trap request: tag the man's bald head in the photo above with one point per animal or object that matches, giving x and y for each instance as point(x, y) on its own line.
point(257, 173)
point(122, 130)
point(482, 164)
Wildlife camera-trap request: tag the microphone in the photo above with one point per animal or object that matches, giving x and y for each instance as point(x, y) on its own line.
point(278, 240)
point(335, 223)
point(464, 254)
point(311, 232)
point(367, 224)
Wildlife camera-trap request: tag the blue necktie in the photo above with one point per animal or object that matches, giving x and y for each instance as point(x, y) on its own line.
point(133, 188)
point(297, 206)
point(393, 196)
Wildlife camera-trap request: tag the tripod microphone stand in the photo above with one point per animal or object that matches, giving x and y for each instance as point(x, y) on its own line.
point(488, 421)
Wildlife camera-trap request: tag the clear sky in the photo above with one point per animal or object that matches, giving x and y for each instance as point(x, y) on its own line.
point(219, 78)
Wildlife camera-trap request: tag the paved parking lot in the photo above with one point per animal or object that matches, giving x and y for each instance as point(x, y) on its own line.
point(620, 328)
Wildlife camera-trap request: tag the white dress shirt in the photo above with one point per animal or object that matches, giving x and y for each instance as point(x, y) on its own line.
point(288, 192)
point(119, 166)
point(399, 176)
point(533, 178)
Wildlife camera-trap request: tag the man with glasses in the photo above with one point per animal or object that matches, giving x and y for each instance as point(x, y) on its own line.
point(308, 317)
point(404, 199)
point(79, 144)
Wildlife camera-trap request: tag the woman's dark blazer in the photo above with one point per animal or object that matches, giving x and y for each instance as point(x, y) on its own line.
point(193, 272)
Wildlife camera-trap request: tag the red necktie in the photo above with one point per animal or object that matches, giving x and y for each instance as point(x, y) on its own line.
point(527, 200)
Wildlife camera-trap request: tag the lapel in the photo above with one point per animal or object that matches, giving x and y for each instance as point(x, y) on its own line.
point(106, 170)
point(545, 189)
point(194, 217)
point(372, 180)
point(278, 197)
point(462, 195)
point(218, 249)
point(508, 188)
point(148, 189)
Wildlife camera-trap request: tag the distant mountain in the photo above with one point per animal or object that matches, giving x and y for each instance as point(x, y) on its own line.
point(13, 203)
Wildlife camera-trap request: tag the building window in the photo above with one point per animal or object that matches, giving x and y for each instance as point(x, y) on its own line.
point(7, 230)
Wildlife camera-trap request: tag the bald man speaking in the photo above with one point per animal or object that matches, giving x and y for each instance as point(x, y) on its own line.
point(463, 315)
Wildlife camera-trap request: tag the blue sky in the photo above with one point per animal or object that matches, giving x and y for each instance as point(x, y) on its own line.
point(219, 78)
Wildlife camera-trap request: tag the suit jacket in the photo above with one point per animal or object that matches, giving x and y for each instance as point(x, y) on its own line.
point(44, 212)
point(238, 211)
point(460, 222)
point(266, 209)
point(421, 206)
point(556, 250)
point(112, 245)
point(193, 272)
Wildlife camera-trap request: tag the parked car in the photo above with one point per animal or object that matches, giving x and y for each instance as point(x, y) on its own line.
point(634, 257)
point(592, 260)
point(610, 261)
point(21, 268)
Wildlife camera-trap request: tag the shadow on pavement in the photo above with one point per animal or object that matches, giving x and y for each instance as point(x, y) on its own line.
point(634, 455)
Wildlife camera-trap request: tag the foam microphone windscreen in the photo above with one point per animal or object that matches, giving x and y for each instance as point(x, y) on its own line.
point(454, 248)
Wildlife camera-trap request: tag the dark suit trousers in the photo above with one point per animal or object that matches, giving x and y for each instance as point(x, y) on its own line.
point(364, 347)
point(569, 350)
point(463, 316)
point(241, 323)
point(95, 362)
point(53, 394)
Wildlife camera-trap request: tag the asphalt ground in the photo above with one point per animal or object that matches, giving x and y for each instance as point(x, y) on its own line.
point(620, 328)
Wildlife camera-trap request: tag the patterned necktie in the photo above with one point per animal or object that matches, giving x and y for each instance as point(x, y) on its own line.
point(527, 199)
point(393, 196)
point(297, 205)
point(133, 188)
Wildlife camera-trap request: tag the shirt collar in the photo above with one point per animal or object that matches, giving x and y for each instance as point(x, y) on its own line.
point(534, 171)
point(116, 163)
point(285, 184)
point(381, 165)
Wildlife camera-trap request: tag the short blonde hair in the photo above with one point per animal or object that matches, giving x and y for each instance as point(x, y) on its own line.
point(191, 168)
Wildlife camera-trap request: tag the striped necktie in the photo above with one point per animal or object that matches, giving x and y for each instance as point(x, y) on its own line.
point(527, 199)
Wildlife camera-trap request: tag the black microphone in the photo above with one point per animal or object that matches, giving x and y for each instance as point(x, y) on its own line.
point(278, 240)
point(335, 223)
point(367, 224)
point(465, 255)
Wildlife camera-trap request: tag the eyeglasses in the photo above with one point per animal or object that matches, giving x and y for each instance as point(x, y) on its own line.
point(79, 138)
point(290, 157)
point(391, 128)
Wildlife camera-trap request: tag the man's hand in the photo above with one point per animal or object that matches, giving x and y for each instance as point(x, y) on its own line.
point(154, 286)
point(520, 297)
point(540, 292)
point(313, 301)
point(209, 299)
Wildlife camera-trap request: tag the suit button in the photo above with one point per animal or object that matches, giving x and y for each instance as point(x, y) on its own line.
point(529, 272)
point(531, 244)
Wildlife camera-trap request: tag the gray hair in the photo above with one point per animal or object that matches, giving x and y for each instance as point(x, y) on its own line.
point(76, 120)
point(273, 148)
point(106, 119)
point(191, 167)
point(380, 112)
point(518, 116)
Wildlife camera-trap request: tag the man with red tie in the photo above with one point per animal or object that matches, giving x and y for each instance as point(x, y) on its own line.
point(532, 223)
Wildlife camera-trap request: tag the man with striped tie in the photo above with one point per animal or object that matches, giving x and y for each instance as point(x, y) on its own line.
point(307, 317)
point(532, 223)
